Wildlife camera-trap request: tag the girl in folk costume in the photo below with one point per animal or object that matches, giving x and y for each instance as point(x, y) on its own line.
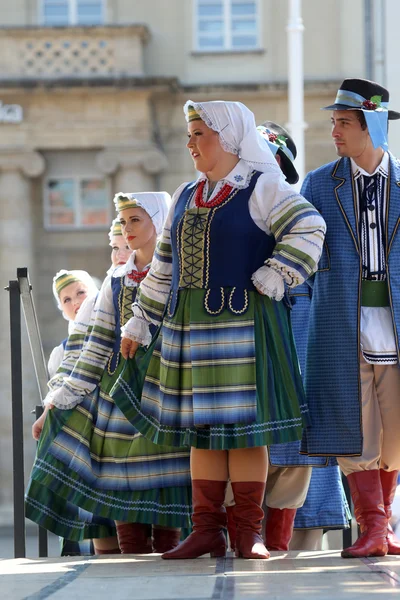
point(223, 376)
point(70, 289)
point(90, 454)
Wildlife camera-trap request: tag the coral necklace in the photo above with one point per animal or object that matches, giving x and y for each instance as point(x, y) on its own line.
point(138, 276)
point(219, 198)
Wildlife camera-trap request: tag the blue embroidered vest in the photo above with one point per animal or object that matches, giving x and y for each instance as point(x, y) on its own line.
point(217, 249)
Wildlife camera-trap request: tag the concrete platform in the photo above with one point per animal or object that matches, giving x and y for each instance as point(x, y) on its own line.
point(308, 575)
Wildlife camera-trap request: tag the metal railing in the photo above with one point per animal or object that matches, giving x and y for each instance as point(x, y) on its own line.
point(20, 291)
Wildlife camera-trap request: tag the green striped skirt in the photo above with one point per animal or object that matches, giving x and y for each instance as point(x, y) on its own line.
point(217, 382)
point(91, 458)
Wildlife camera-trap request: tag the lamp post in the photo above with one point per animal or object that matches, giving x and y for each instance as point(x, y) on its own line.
point(296, 124)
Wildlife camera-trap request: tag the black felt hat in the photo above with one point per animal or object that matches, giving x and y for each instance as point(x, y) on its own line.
point(366, 90)
point(287, 165)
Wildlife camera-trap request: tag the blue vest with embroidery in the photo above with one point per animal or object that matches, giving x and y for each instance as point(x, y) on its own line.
point(121, 300)
point(217, 249)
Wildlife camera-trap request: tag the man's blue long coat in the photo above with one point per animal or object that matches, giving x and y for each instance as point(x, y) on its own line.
point(332, 378)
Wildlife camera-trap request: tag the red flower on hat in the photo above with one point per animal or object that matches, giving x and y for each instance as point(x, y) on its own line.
point(368, 105)
point(372, 104)
point(272, 137)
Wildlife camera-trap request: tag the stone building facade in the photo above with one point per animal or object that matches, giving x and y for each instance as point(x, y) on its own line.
point(91, 97)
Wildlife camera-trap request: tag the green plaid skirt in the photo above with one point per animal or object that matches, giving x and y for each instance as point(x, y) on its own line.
point(217, 382)
point(92, 468)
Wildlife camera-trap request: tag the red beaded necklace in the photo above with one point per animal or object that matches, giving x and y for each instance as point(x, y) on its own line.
point(138, 276)
point(219, 198)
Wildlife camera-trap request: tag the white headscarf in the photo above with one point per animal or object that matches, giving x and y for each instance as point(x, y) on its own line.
point(236, 126)
point(156, 204)
point(82, 276)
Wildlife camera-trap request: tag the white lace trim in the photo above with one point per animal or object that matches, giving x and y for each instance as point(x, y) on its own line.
point(137, 330)
point(63, 399)
point(292, 278)
point(269, 283)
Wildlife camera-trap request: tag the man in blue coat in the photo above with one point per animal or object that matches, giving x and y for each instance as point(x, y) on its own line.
point(352, 374)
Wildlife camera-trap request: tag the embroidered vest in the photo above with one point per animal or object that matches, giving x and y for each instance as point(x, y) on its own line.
point(217, 249)
point(123, 298)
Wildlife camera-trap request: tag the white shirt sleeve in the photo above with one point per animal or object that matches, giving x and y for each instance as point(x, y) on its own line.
point(93, 357)
point(298, 229)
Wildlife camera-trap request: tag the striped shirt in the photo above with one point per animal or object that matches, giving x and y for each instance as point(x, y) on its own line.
point(377, 335)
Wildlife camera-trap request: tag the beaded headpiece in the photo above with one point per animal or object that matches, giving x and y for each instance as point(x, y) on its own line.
point(62, 279)
point(124, 201)
point(115, 229)
point(192, 115)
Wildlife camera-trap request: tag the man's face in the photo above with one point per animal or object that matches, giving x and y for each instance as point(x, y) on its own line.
point(348, 136)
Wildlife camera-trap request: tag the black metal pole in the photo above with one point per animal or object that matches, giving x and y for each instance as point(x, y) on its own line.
point(17, 420)
point(347, 535)
point(42, 532)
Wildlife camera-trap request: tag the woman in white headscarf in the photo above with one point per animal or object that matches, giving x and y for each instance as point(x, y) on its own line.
point(224, 375)
point(88, 453)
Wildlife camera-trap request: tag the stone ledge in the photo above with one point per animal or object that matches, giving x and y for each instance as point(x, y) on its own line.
point(119, 81)
point(55, 30)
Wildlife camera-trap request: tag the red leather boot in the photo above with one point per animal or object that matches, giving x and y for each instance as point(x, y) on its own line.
point(231, 527)
point(248, 516)
point(279, 528)
point(389, 484)
point(209, 521)
point(134, 538)
point(165, 538)
point(366, 492)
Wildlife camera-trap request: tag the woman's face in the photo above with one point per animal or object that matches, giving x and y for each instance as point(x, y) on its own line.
point(204, 146)
point(71, 298)
point(120, 251)
point(137, 227)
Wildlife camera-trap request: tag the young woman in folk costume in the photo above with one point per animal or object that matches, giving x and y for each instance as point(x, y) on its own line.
point(70, 289)
point(224, 376)
point(90, 454)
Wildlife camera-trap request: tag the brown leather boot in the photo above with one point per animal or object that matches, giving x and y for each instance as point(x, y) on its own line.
point(231, 527)
point(248, 516)
point(165, 538)
point(209, 520)
point(389, 484)
point(279, 528)
point(134, 538)
point(366, 492)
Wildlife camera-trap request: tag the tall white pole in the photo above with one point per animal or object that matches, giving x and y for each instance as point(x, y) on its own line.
point(296, 124)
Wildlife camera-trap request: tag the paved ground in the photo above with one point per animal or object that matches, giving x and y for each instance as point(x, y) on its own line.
point(309, 575)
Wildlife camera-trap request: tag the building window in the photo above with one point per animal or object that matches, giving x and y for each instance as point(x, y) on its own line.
point(227, 24)
point(77, 203)
point(72, 12)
